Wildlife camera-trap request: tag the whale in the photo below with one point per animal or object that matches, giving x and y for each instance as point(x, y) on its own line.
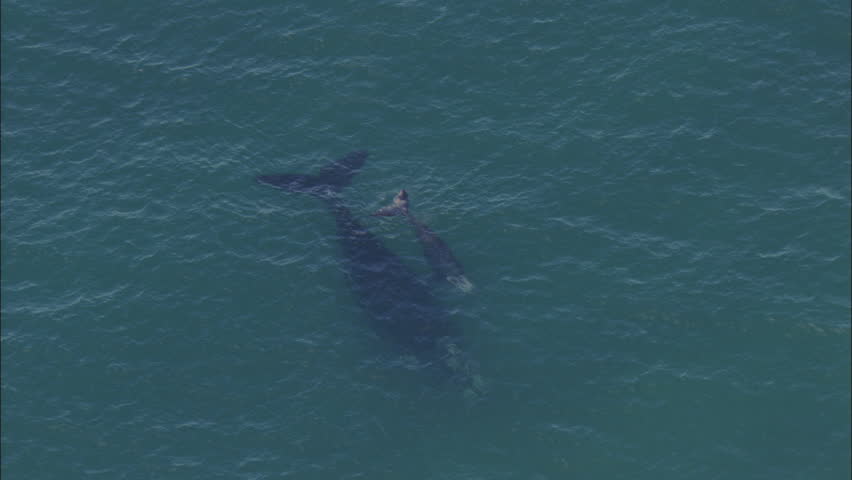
point(444, 264)
point(399, 305)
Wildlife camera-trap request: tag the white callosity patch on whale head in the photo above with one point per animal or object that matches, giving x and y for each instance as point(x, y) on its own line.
point(461, 282)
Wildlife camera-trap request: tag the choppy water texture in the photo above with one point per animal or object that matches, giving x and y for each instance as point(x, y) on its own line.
point(652, 199)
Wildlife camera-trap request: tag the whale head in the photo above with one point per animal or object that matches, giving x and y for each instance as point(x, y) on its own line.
point(398, 207)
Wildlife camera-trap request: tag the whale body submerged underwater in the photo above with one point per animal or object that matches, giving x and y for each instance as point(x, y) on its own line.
point(445, 265)
point(400, 305)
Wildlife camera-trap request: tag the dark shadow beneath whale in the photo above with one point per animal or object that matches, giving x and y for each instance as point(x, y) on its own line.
point(401, 306)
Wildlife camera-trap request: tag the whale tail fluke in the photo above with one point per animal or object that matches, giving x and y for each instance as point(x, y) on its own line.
point(331, 179)
point(398, 207)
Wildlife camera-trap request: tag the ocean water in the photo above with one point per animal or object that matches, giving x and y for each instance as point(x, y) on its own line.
point(652, 199)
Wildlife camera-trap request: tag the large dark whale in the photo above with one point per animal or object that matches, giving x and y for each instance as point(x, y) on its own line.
point(440, 257)
point(400, 305)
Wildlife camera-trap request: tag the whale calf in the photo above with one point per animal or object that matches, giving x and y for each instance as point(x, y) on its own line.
point(440, 257)
point(400, 306)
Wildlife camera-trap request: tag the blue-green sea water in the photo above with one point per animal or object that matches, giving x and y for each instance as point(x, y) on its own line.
point(652, 199)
